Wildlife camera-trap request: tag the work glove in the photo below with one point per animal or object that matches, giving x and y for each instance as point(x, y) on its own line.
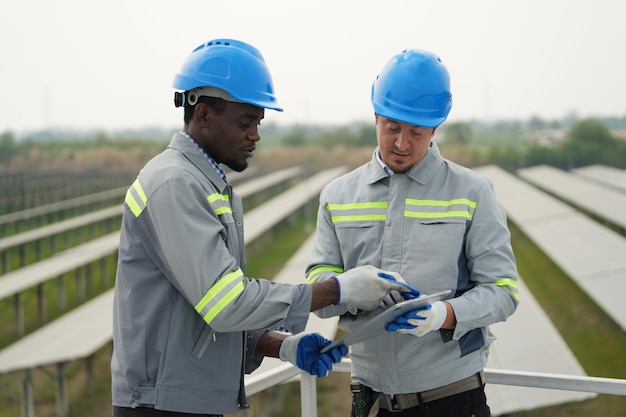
point(420, 321)
point(364, 288)
point(303, 351)
point(395, 297)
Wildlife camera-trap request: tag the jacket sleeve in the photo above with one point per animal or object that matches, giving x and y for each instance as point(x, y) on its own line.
point(191, 239)
point(326, 260)
point(252, 361)
point(492, 267)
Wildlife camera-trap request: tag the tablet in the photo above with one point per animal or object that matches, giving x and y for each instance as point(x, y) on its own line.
point(376, 325)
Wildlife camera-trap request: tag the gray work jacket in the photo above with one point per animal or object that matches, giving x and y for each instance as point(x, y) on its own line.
point(440, 227)
point(182, 301)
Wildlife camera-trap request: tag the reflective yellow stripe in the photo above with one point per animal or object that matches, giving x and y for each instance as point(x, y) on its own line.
point(423, 215)
point(136, 199)
point(220, 203)
point(355, 212)
point(439, 209)
point(510, 285)
point(444, 203)
point(314, 273)
point(224, 301)
point(220, 295)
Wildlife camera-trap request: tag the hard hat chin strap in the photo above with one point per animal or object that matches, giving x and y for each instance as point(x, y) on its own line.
point(190, 98)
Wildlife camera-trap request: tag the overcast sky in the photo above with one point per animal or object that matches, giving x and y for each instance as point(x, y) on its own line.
point(110, 64)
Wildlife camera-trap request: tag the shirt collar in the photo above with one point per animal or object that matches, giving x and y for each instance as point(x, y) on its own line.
point(423, 172)
point(383, 165)
point(214, 164)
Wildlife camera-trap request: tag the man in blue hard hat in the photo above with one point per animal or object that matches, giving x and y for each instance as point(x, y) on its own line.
point(188, 323)
point(439, 226)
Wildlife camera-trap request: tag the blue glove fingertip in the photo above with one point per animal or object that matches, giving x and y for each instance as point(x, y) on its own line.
point(408, 295)
point(326, 360)
point(343, 349)
point(387, 276)
point(335, 354)
point(322, 372)
point(324, 365)
point(391, 327)
point(413, 314)
point(412, 293)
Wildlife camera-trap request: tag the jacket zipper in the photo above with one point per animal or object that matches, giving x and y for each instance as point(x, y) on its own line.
point(205, 345)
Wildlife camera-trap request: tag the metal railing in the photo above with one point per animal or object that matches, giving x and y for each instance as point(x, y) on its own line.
point(308, 387)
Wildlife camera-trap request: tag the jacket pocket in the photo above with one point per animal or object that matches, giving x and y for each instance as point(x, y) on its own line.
point(441, 229)
point(437, 246)
point(207, 336)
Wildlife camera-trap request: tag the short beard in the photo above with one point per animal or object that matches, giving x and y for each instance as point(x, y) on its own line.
point(401, 171)
point(236, 165)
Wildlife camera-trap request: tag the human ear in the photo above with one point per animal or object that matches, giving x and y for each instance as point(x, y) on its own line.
point(202, 115)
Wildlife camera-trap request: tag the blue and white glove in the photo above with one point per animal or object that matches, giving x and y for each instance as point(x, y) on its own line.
point(303, 351)
point(420, 321)
point(395, 297)
point(365, 288)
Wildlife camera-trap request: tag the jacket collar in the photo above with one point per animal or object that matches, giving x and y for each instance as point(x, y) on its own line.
point(422, 173)
point(182, 144)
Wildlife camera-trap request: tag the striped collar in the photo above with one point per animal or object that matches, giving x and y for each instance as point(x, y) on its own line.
point(215, 165)
point(382, 164)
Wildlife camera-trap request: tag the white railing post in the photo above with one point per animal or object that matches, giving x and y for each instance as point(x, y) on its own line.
point(308, 395)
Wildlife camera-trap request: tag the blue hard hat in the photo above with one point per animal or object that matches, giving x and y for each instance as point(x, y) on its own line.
point(414, 88)
point(232, 66)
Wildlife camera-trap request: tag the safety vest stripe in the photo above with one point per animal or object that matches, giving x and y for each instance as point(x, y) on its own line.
point(221, 205)
point(314, 274)
point(439, 209)
point(220, 295)
point(136, 199)
point(356, 212)
point(510, 285)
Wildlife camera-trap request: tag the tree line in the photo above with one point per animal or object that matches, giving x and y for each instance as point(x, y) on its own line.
point(506, 144)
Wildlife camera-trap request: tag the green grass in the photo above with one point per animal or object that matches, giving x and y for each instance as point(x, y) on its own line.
point(266, 258)
point(93, 398)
